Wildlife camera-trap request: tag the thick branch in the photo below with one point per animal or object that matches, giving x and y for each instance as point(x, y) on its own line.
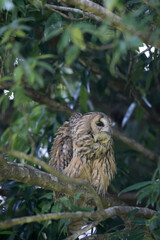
point(32, 176)
point(114, 19)
point(98, 215)
point(55, 173)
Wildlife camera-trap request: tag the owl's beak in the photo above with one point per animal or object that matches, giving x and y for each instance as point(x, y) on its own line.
point(107, 130)
point(102, 136)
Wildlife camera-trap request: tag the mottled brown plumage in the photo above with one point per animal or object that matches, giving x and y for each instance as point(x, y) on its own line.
point(83, 149)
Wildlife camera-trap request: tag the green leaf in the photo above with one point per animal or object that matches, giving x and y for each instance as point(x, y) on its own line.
point(45, 56)
point(83, 98)
point(64, 41)
point(66, 202)
point(6, 36)
point(36, 3)
point(155, 175)
point(46, 207)
point(77, 38)
point(154, 223)
point(45, 65)
point(47, 196)
point(18, 73)
point(136, 186)
point(20, 33)
point(72, 54)
point(20, 97)
point(4, 99)
point(20, 5)
point(77, 197)
point(144, 192)
point(50, 33)
point(57, 207)
point(39, 79)
point(63, 223)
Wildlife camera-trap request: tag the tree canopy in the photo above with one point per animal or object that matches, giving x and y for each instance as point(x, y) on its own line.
point(67, 56)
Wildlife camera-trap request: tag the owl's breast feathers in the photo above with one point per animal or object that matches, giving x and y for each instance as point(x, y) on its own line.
point(80, 153)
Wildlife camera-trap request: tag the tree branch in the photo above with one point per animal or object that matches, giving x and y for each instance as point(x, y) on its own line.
point(38, 97)
point(126, 89)
point(32, 176)
point(136, 146)
point(58, 107)
point(114, 19)
point(55, 173)
point(85, 14)
point(51, 103)
point(98, 215)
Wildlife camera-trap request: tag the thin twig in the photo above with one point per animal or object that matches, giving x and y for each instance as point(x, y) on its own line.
point(101, 48)
point(67, 17)
point(85, 14)
point(95, 215)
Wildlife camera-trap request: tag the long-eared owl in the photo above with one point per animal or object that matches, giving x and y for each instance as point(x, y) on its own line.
point(83, 149)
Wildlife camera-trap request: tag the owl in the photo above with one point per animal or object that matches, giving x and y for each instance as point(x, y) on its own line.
point(83, 149)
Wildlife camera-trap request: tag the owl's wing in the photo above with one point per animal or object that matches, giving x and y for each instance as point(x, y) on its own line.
point(62, 150)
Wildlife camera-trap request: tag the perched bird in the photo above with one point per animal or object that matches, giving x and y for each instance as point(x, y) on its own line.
point(83, 149)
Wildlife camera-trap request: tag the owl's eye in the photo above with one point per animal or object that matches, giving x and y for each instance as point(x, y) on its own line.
point(100, 124)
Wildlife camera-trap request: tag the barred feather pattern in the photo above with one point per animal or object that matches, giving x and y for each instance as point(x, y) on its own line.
point(83, 149)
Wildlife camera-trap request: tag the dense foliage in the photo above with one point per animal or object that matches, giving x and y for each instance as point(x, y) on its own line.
point(84, 65)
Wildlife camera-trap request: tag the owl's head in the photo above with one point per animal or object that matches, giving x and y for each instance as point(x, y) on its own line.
point(100, 125)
